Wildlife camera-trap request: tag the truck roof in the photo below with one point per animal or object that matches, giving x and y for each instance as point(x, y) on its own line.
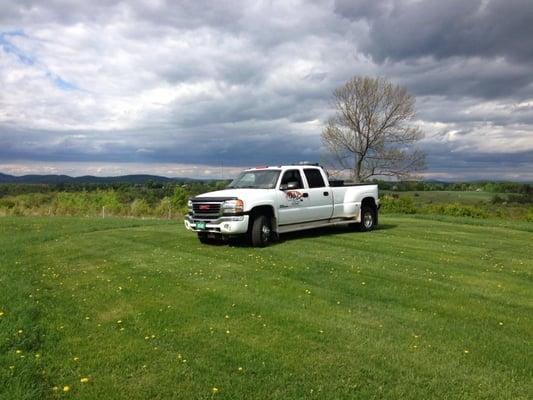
point(283, 167)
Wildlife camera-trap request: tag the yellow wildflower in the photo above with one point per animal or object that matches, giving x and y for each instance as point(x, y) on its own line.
point(84, 380)
point(214, 390)
point(66, 388)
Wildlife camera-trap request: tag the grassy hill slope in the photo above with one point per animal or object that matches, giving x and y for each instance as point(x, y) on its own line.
point(417, 309)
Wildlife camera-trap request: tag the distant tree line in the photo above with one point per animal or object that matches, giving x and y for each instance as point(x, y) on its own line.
point(492, 187)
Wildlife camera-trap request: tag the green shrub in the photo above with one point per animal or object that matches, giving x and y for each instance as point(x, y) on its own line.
point(401, 205)
point(529, 215)
point(164, 209)
point(139, 208)
point(457, 210)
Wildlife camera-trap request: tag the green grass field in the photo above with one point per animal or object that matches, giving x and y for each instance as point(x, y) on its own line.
point(418, 309)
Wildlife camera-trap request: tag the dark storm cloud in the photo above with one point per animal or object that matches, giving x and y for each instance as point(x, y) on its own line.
point(214, 144)
point(465, 48)
point(443, 29)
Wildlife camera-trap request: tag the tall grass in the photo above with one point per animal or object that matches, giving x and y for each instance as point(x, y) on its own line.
point(91, 204)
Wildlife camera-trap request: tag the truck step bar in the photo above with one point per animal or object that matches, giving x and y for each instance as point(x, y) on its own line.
point(316, 224)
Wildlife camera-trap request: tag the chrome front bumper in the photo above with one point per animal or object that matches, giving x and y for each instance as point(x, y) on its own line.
point(223, 225)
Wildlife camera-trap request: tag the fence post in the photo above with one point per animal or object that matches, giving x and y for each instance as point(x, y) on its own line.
point(103, 212)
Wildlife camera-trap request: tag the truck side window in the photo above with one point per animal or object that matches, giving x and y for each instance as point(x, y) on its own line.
point(314, 178)
point(292, 175)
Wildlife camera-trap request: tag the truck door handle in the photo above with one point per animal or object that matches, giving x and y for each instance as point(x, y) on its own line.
point(305, 195)
point(326, 193)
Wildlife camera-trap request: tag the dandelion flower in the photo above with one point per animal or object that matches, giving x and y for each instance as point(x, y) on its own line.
point(76, 358)
point(466, 351)
point(214, 390)
point(20, 331)
point(84, 380)
point(240, 369)
point(1, 313)
point(66, 388)
point(119, 321)
point(18, 351)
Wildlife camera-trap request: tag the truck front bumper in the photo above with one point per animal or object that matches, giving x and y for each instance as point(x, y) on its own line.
point(224, 225)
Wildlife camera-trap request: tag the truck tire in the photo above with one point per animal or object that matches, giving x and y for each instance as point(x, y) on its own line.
point(261, 231)
point(368, 219)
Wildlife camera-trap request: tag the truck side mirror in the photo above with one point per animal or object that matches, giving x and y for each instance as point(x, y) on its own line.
point(289, 186)
point(292, 185)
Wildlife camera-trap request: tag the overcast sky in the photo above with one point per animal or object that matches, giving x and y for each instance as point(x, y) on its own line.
point(107, 88)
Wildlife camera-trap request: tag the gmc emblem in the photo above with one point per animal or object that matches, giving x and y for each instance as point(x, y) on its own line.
point(203, 207)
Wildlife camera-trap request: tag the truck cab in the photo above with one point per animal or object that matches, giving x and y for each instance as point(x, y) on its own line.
point(263, 202)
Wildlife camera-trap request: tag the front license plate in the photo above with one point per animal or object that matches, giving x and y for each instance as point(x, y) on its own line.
point(200, 225)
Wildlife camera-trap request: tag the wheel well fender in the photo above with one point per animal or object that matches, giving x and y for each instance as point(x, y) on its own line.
point(264, 210)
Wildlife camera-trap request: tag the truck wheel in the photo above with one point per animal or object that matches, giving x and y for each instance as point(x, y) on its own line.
point(261, 232)
point(368, 219)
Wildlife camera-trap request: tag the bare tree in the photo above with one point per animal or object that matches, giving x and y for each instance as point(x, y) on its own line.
point(371, 132)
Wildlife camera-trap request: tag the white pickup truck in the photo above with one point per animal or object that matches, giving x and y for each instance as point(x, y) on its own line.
point(263, 202)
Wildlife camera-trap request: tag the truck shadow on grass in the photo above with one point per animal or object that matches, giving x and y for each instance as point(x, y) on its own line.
point(309, 234)
point(328, 231)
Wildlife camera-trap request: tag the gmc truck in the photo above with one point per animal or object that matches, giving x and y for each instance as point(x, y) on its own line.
point(263, 202)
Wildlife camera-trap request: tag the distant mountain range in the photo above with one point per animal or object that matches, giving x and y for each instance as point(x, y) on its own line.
point(57, 179)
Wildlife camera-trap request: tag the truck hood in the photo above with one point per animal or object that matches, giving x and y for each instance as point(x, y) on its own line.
point(250, 197)
point(243, 194)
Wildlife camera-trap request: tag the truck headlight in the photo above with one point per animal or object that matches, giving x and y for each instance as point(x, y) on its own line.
point(232, 207)
point(189, 205)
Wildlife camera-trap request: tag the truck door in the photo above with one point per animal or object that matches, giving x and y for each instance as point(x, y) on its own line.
point(319, 201)
point(291, 198)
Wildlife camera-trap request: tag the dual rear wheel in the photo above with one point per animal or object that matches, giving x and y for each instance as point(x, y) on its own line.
point(368, 219)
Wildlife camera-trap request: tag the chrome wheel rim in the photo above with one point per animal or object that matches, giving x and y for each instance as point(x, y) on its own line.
point(265, 233)
point(368, 219)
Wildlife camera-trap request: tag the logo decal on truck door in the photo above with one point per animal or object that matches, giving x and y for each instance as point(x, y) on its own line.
point(294, 195)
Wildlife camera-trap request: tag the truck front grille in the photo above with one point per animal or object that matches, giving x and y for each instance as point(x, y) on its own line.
point(206, 208)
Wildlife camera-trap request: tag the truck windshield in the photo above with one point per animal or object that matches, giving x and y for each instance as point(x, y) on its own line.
point(260, 179)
